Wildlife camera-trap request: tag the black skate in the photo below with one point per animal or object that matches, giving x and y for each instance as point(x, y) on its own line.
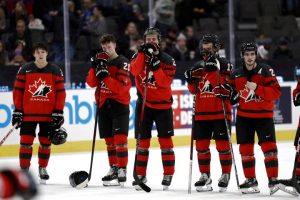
point(249, 186)
point(223, 182)
point(290, 185)
point(273, 185)
point(43, 174)
point(143, 180)
point(111, 178)
point(166, 182)
point(122, 176)
point(204, 183)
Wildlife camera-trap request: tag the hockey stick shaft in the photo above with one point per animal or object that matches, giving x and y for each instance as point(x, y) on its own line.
point(8, 134)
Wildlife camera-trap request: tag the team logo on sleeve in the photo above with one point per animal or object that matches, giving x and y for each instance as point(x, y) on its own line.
point(249, 95)
point(39, 89)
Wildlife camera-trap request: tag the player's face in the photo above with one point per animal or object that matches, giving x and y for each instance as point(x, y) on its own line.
point(109, 48)
point(208, 47)
point(40, 55)
point(152, 38)
point(249, 58)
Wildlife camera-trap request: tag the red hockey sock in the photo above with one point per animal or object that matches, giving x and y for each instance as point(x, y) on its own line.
point(223, 148)
point(7, 188)
point(203, 152)
point(167, 155)
point(298, 165)
point(44, 151)
point(248, 160)
point(121, 150)
point(111, 151)
point(271, 160)
point(142, 156)
point(25, 152)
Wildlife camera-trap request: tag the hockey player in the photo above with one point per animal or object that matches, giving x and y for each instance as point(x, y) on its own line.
point(154, 70)
point(39, 98)
point(204, 80)
point(258, 89)
point(111, 77)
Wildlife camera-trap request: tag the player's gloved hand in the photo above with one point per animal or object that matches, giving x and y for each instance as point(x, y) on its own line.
point(102, 72)
point(17, 118)
point(154, 64)
point(192, 74)
point(297, 99)
point(211, 62)
point(100, 59)
point(148, 49)
point(19, 183)
point(223, 91)
point(57, 119)
point(234, 97)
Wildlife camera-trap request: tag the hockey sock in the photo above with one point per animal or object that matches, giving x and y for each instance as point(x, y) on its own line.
point(25, 152)
point(297, 168)
point(223, 148)
point(142, 156)
point(248, 160)
point(111, 151)
point(44, 151)
point(121, 150)
point(271, 160)
point(167, 155)
point(203, 152)
point(7, 187)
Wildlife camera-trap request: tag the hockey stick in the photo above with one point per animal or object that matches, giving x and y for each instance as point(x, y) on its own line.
point(227, 129)
point(8, 134)
point(136, 178)
point(192, 140)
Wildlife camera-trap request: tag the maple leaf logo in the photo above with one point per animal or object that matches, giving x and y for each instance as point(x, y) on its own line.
point(151, 79)
point(249, 95)
point(39, 89)
point(205, 86)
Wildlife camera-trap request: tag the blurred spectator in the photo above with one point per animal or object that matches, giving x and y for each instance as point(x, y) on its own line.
point(191, 40)
point(180, 52)
point(2, 20)
point(141, 20)
point(263, 51)
point(4, 60)
point(130, 34)
point(200, 9)
point(18, 58)
point(21, 34)
point(87, 12)
point(283, 51)
point(136, 41)
point(19, 12)
point(126, 14)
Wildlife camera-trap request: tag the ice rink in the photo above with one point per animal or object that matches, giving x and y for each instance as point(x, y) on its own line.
point(62, 165)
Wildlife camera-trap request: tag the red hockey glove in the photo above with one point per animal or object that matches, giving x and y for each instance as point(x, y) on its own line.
point(17, 118)
point(154, 64)
point(101, 72)
point(100, 59)
point(297, 99)
point(57, 119)
point(223, 91)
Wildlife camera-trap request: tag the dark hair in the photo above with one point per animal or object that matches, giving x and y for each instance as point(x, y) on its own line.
point(248, 46)
point(154, 31)
point(107, 38)
point(39, 45)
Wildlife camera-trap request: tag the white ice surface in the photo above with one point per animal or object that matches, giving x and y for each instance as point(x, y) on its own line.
point(62, 165)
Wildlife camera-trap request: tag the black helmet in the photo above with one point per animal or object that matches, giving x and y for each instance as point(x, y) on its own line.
point(248, 46)
point(58, 136)
point(154, 31)
point(79, 179)
point(211, 38)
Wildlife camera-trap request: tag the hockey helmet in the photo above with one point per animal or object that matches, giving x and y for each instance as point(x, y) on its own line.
point(79, 179)
point(211, 38)
point(152, 31)
point(58, 136)
point(248, 46)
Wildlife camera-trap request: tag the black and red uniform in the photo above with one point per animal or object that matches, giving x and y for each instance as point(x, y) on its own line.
point(157, 109)
point(113, 98)
point(38, 92)
point(255, 114)
point(209, 114)
point(296, 92)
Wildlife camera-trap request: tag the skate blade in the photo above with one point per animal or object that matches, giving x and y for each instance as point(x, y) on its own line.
point(165, 187)
point(274, 189)
point(289, 190)
point(205, 188)
point(121, 184)
point(111, 183)
point(137, 187)
point(222, 189)
point(251, 190)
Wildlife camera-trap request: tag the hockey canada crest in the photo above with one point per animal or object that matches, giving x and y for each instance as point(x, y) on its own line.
point(39, 89)
point(249, 95)
point(205, 86)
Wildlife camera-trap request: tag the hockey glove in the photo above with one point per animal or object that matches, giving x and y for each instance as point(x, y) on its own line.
point(211, 62)
point(223, 91)
point(155, 63)
point(57, 119)
point(234, 97)
point(17, 118)
point(192, 74)
point(102, 73)
point(148, 49)
point(297, 99)
point(100, 59)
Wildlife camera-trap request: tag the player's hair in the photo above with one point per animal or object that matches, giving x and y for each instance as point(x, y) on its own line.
point(107, 38)
point(39, 45)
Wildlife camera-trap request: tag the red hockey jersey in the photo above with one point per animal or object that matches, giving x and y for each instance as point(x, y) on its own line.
point(116, 86)
point(258, 103)
point(159, 93)
point(208, 106)
point(38, 92)
point(296, 91)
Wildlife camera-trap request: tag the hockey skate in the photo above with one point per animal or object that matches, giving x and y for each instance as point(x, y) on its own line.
point(111, 178)
point(143, 179)
point(166, 182)
point(249, 186)
point(204, 183)
point(122, 176)
point(223, 182)
point(43, 174)
point(273, 185)
point(288, 185)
